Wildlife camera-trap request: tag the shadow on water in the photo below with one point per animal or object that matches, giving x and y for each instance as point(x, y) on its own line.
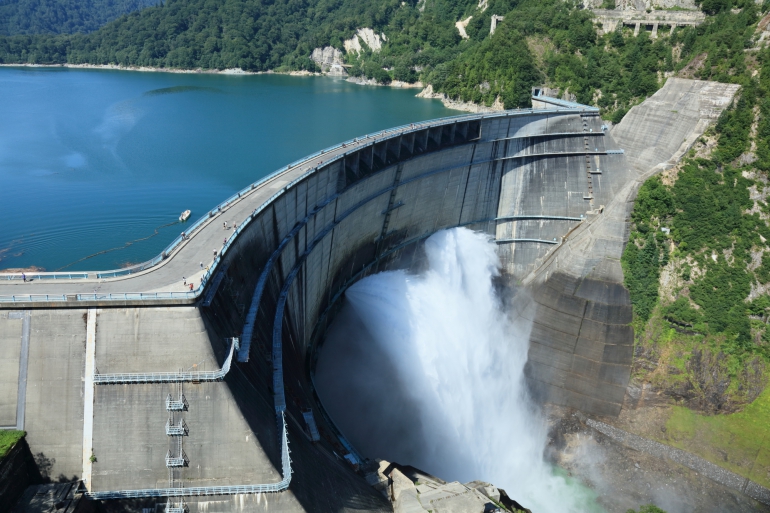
point(124, 246)
point(183, 89)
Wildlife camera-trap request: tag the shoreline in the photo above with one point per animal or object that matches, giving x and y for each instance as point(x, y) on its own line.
point(426, 91)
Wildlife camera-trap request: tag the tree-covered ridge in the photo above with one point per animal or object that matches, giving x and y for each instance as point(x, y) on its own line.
point(541, 42)
point(697, 263)
point(62, 16)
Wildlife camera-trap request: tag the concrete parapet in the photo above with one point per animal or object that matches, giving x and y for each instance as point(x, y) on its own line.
point(611, 19)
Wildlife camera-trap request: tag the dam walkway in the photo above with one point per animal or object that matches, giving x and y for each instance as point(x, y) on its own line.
point(194, 256)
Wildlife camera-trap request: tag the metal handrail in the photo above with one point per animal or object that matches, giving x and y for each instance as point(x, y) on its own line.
point(43, 276)
point(281, 485)
point(176, 405)
point(179, 429)
point(30, 298)
point(512, 241)
point(167, 377)
point(194, 294)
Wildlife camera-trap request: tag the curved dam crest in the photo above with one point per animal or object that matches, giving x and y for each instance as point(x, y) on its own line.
point(552, 185)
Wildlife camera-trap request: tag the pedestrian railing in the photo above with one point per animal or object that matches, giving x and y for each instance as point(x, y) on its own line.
point(132, 296)
point(43, 276)
point(179, 429)
point(167, 377)
point(32, 298)
point(281, 485)
point(354, 144)
point(177, 507)
point(176, 404)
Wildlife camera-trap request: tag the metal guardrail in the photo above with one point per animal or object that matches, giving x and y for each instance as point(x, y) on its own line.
point(128, 296)
point(176, 404)
point(367, 139)
point(175, 508)
point(536, 218)
point(176, 462)
point(541, 241)
point(179, 429)
point(167, 377)
point(281, 485)
point(43, 276)
point(33, 298)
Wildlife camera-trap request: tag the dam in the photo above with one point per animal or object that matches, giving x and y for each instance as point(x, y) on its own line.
point(148, 391)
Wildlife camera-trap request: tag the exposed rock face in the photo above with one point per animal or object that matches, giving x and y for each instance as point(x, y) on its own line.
point(461, 27)
point(414, 491)
point(329, 59)
point(460, 105)
point(368, 36)
point(704, 384)
point(580, 282)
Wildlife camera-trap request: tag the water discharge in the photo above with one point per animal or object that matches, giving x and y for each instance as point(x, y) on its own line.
point(427, 370)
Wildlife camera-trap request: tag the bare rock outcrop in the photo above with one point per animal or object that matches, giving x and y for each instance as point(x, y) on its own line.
point(458, 104)
point(329, 59)
point(368, 37)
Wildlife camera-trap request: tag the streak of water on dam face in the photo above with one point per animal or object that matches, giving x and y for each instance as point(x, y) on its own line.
point(91, 159)
point(427, 370)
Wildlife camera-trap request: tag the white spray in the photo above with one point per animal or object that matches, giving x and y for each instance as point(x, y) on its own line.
point(427, 370)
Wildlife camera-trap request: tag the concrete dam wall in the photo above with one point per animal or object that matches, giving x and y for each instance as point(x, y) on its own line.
point(552, 186)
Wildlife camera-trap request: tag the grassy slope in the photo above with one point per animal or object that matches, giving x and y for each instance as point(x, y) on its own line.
point(738, 441)
point(8, 439)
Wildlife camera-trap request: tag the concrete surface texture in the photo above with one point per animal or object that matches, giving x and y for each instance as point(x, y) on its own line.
point(59, 497)
point(643, 5)
point(657, 133)
point(130, 441)
point(54, 401)
point(199, 247)
point(580, 339)
point(514, 175)
point(10, 351)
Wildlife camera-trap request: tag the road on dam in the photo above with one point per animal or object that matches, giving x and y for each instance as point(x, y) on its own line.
point(191, 259)
point(551, 185)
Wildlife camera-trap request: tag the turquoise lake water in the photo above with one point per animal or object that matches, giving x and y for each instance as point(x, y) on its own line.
point(93, 161)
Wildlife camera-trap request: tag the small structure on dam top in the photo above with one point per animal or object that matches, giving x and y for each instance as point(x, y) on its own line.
point(611, 19)
point(92, 358)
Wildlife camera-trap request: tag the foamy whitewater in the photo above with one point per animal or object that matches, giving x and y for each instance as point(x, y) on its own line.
point(427, 370)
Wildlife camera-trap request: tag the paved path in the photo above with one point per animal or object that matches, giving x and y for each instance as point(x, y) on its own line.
point(185, 260)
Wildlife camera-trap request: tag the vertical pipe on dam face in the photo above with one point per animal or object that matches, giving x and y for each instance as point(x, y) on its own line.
point(88, 397)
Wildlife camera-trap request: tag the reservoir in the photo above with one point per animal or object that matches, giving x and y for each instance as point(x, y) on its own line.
point(97, 165)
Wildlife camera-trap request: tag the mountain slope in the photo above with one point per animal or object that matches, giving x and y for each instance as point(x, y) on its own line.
point(63, 16)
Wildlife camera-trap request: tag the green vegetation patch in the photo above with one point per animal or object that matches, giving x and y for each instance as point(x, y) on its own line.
point(554, 43)
point(8, 439)
point(62, 16)
point(649, 508)
point(702, 231)
point(738, 441)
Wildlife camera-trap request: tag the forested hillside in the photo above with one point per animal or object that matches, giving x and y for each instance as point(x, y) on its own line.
point(62, 16)
point(540, 42)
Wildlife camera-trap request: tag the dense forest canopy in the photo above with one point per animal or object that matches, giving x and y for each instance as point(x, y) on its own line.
point(540, 42)
point(62, 16)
